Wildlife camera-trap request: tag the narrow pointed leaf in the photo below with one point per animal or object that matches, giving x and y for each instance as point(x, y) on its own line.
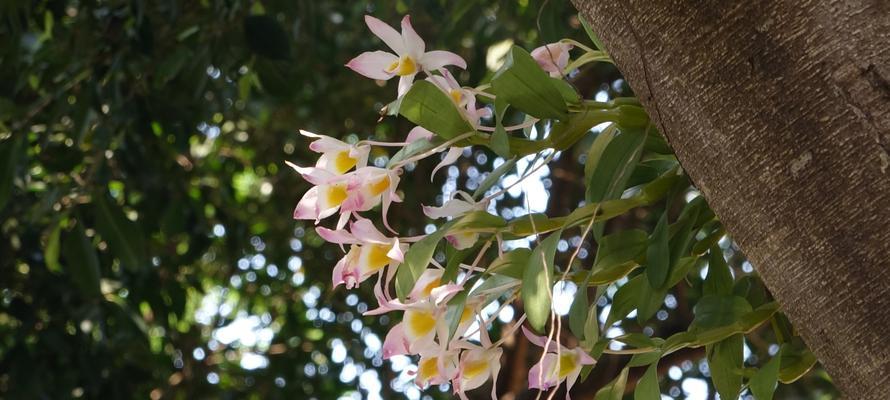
point(537, 281)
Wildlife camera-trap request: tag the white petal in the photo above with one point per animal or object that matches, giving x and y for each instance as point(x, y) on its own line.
point(373, 64)
point(414, 45)
point(452, 156)
point(405, 83)
point(436, 59)
point(386, 33)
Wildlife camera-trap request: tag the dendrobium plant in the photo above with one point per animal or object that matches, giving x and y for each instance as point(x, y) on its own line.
point(443, 334)
point(442, 304)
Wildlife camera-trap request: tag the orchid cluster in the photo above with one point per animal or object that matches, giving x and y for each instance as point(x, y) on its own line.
point(453, 345)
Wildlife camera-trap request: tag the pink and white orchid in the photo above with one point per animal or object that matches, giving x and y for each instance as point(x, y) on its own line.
point(454, 208)
point(368, 187)
point(464, 99)
point(337, 157)
point(477, 365)
point(553, 57)
point(435, 368)
point(554, 368)
point(410, 55)
point(325, 198)
point(370, 252)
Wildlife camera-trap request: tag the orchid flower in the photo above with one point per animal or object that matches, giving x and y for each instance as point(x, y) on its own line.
point(455, 208)
point(323, 199)
point(436, 368)
point(370, 252)
point(367, 187)
point(337, 156)
point(464, 99)
point(477, 365)
point(553, 57)
point(554, 368)
point(410, 55)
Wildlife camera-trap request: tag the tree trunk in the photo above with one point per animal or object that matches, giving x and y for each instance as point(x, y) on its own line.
point(779, 110)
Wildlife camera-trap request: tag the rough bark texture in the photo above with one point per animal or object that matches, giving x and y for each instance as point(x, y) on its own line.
point(779, 110)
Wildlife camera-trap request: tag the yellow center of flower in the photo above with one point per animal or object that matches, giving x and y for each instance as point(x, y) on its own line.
point(377, 257)
point(403, 66)
point(567, 363)
point(419, 323)
point(335, 195)
point(475, 368)
point(343, 162)
point(466, 314)
point(456, 95)
point(428, 289)
point(428, 367)
point(380, 186)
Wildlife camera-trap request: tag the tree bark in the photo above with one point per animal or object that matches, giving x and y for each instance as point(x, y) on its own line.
point(779, 110)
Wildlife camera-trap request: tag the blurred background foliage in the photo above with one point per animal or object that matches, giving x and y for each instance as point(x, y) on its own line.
point(147, 248)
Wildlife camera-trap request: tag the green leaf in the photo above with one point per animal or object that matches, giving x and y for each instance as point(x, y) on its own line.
point(525, 86)
point(719, 279)
point(724, 360)
point(636, 340)
point(658, 254)
point(426, 105)
point(478, 221)
point(266, 37)
point(592, 324)
point(615, 166)
point(537, 281)
point(53, 248)
point(597, 147)
point(417, 258)
point(454, 257)
point(647, 387)
point(763, 383)
point(625, 300)
point(124, 238)
point(81, 261)
point(500, 141)
point(797, 360)
point(650, 302)
point(412, 149)
point(593, 38)
point(683, 231)
point(494, 177)
point(455, 310)
point(641, 359)
point(512, 263)
point(620, 247)
point(569, 95)
point(713, 311)
point(9, 157)
point(578, 313)
point(614, 390)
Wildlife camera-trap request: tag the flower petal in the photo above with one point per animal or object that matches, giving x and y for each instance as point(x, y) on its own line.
point(339, 236)
point(433, 60)
point(417, 133)
point(307, 207)
point(386, 33)
point(373, 64)
point(395, 343)
point(364, 230)
point(450, 157)
point(405, 83)
point(414, 45)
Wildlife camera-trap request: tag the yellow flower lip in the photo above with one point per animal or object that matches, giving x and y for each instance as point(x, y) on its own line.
point(404, 66)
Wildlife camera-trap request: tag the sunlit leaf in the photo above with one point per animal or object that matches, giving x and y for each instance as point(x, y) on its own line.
point(525, 86)
point(426, 105)
point(537, 281)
